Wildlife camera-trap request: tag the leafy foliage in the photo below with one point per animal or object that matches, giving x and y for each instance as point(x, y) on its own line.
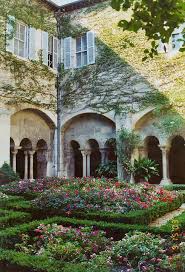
point(158, 19)
point(127, 141)
point(108, 170)
point(8, 172)
point(145, 168)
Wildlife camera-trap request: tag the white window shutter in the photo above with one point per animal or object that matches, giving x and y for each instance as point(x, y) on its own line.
point(55, 52)
point(45, 47)
point(38, 44)
point(26, 45)
point(90, 47)
point(62, 51)
point(32, 43)
point(67, 53)
point(10, 33)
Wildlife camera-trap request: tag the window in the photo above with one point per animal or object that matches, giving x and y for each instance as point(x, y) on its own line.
point(52, 52)
point(81, 51)
point(20, 40)
point(177, 41)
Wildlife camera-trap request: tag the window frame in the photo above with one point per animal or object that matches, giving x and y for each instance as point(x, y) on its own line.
point(81, 51)
point(52, 52)
point(25, 41)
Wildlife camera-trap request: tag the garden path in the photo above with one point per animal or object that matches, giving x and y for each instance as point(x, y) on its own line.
point(167, 217)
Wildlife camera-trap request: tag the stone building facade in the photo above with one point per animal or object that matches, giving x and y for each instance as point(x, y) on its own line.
point(106, 87)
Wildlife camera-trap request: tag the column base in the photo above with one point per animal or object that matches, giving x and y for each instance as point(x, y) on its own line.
point(132, 180)
point(166, 182)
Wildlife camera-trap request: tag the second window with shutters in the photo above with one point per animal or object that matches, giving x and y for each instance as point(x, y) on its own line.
point(79, 52)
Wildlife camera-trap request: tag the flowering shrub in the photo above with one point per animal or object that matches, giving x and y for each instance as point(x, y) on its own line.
point(136, 252)
point(141, 252)
point(65, 243)
point(30, 186)
point(113, 197)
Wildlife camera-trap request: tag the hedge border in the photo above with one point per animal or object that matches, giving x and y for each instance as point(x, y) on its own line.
point(141, 217)
point(12, 217)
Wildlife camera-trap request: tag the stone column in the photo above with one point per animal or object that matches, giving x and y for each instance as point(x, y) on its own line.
point(88, 154)
point(31, 153)
point(14, 152)
point(104, 158)
point(25, 164)
point(142, 152)
point(4, 136)
point(84, 163)
point(165, 165)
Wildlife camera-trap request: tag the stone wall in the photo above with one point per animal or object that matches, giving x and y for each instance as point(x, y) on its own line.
point(120, 80)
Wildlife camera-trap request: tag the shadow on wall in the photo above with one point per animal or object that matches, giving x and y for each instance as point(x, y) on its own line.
point(115, 83)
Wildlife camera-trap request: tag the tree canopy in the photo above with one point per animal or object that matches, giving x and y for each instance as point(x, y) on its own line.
point(158, 18)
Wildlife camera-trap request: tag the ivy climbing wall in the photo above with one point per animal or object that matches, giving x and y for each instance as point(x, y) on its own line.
point(22, 80)
point(120, 80)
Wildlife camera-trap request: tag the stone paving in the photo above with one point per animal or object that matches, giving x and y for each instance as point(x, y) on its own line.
point(167, 217)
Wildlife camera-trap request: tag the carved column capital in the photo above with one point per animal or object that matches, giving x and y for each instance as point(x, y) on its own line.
point(31, 152)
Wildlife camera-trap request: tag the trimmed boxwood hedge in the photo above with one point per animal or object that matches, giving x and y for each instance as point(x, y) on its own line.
point(168, 226)
point(38, 263)
point(141, 217)
point(116, 230)
point(12, 218)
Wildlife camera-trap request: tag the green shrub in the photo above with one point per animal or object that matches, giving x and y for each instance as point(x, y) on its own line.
point(108, 170)
point(143, 251)
point(144, 169)
point(12, 218)
point(8, 172)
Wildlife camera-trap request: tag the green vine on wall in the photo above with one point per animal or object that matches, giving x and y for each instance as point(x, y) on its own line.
point(117, 58)
point(28, 81)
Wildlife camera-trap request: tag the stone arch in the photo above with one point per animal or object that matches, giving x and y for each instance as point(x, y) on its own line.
point(34, 124)
point(142, 117)
point(22, 161)
point(77, 160)
point(177, 160)
point(81, 128)
point(68, 119)
point(154, 153)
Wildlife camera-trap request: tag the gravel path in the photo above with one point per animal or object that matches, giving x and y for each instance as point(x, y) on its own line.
point(167, 217)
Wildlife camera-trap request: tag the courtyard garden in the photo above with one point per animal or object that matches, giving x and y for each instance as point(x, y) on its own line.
point(90, 224)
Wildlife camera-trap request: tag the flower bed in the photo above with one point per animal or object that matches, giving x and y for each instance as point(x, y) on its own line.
point(104, 196)
point(89, 247)
point(90, 194)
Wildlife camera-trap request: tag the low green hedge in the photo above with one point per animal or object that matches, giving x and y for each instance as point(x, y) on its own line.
point(28, 261)
point(175, 187)
point(141, 217)
point(12, 218)
point(39, 263)
point(167, 228)
point(117, 230)
point(16, 203)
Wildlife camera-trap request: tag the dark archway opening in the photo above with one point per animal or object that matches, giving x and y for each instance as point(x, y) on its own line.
point(40, 160)
point(177, 160)
point(25, 147)
point(155, 154)
point(12, 147)
point(95, 158)
point(78, 159)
